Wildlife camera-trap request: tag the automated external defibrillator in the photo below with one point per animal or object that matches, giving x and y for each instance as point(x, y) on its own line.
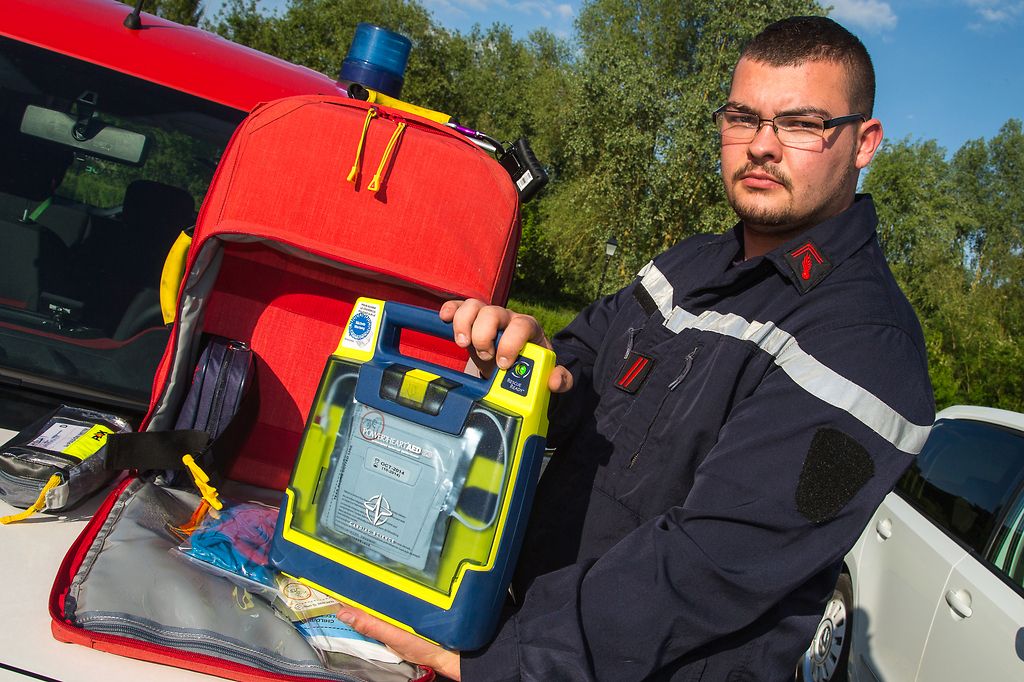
point(413, 483)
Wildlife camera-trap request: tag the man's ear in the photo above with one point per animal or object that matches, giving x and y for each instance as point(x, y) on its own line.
point(868, 141)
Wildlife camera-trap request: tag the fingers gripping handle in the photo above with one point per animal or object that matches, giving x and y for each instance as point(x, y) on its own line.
point(399, 316)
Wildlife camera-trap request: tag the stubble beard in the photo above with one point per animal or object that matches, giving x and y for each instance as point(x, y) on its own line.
point(752, 212)
point(779, 219)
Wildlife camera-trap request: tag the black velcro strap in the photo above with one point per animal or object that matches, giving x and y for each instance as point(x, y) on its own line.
point(643, 297)
point(154, 449)
point(222, 401)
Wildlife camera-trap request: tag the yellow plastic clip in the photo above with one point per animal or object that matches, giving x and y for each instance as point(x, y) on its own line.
point(208, 492)
point(375, 183)
point(354, 173)
point(38, 505)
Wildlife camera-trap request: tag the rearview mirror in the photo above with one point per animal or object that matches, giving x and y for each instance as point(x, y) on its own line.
point(95, 139)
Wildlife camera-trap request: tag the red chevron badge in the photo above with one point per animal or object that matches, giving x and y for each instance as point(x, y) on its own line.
point(808, 264)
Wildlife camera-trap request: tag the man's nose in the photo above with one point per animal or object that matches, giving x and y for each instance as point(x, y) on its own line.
point(766, 145)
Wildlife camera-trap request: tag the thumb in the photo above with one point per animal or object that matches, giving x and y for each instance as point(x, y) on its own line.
point(560, 380)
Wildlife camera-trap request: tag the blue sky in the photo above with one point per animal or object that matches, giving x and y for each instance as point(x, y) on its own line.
point(950, 71)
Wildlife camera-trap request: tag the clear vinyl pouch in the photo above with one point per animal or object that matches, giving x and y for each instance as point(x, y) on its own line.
point(133, 583)
point(59, 460)
point(393, 488)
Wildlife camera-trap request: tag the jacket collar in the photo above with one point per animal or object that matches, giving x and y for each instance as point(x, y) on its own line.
point(808, 258)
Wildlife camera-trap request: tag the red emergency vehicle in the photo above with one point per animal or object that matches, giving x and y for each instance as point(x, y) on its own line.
point(111, 136)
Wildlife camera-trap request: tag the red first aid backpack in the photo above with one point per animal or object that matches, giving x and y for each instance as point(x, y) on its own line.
point(317, 201)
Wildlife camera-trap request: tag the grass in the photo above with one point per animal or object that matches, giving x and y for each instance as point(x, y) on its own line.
point(552, 316)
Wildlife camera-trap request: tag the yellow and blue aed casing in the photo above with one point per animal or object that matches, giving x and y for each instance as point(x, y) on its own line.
point(413, 484)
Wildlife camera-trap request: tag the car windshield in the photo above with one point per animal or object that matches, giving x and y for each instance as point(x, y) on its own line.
point(100, 174)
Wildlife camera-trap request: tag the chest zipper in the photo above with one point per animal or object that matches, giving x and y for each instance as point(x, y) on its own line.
point(687, 366)
point(629, 341)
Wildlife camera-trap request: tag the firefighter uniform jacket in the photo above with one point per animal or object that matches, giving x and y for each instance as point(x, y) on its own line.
point(731, 429)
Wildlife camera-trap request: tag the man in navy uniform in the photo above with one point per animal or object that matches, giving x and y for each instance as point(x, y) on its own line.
point(727, 423)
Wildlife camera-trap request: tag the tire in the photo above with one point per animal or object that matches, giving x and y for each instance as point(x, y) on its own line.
point(827, 657)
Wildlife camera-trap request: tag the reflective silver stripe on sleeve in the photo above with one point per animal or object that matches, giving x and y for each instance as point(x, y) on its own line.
point(809, 374)
point(657, 287)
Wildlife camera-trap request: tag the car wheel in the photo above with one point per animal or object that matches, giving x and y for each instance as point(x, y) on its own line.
point(825, 660)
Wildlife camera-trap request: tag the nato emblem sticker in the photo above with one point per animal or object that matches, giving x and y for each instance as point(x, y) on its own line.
point(517, 378)
point(359, 331)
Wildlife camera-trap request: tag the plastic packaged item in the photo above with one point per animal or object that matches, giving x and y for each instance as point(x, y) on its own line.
point(327, 633)
point(234, 542)
point(413, 483)
point(57, 461)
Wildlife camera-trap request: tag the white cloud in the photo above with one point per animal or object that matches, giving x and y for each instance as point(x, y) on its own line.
point(870, 15)
point(543, 9)
point(564, 11)
point(996, 11)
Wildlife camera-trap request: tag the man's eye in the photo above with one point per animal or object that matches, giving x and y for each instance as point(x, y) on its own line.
point(737, 119)
point(799, 123)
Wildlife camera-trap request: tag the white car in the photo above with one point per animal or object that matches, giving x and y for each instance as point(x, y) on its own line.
point(934, 588)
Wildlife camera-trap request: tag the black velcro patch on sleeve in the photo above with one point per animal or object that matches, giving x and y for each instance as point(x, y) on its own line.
point(836, 468)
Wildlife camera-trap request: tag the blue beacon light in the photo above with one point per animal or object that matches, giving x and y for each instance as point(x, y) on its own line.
point(377, 59)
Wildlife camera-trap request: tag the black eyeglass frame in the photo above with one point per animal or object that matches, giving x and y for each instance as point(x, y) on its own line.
point(826, 123)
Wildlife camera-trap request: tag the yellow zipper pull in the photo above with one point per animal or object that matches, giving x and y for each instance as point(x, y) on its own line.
point(38, 505)
point(354, 173)
point(375, 183)
point(202, 481)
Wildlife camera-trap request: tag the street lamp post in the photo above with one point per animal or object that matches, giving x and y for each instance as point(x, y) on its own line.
point(609, 251)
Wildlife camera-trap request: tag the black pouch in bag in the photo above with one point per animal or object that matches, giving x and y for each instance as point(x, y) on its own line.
point(214, 418)
point(57, 461)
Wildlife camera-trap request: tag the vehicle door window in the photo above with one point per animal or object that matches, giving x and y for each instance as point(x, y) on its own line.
point(101, 172)
point(965, 477)
point(1008, 550)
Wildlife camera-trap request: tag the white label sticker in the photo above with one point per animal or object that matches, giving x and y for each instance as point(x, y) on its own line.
point(58, 437)
point(359, 333)
point(524, 180)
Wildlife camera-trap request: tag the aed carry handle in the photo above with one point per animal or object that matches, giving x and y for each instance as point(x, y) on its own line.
point(460, 389)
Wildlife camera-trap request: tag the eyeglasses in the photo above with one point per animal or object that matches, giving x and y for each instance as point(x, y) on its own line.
point(803, 131)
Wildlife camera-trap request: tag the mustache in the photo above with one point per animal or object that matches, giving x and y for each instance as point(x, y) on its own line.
point(770, 169)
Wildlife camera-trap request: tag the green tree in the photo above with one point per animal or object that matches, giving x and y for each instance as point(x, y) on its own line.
point(990, 180)
point(953, 231)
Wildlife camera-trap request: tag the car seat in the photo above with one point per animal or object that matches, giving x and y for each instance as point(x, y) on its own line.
point(120, 260)
point(34, 259)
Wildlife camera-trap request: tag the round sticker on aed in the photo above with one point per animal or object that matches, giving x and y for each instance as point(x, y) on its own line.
point(359, 326)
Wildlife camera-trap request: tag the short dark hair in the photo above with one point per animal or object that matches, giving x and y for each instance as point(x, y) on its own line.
point(796, 40)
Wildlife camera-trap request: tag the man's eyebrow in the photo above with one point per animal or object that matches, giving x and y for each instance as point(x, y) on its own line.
point(738, 106)
point(793, 111)
point(803, 111)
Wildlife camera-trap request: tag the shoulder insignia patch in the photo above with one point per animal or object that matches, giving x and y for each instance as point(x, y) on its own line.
point(808, 264)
